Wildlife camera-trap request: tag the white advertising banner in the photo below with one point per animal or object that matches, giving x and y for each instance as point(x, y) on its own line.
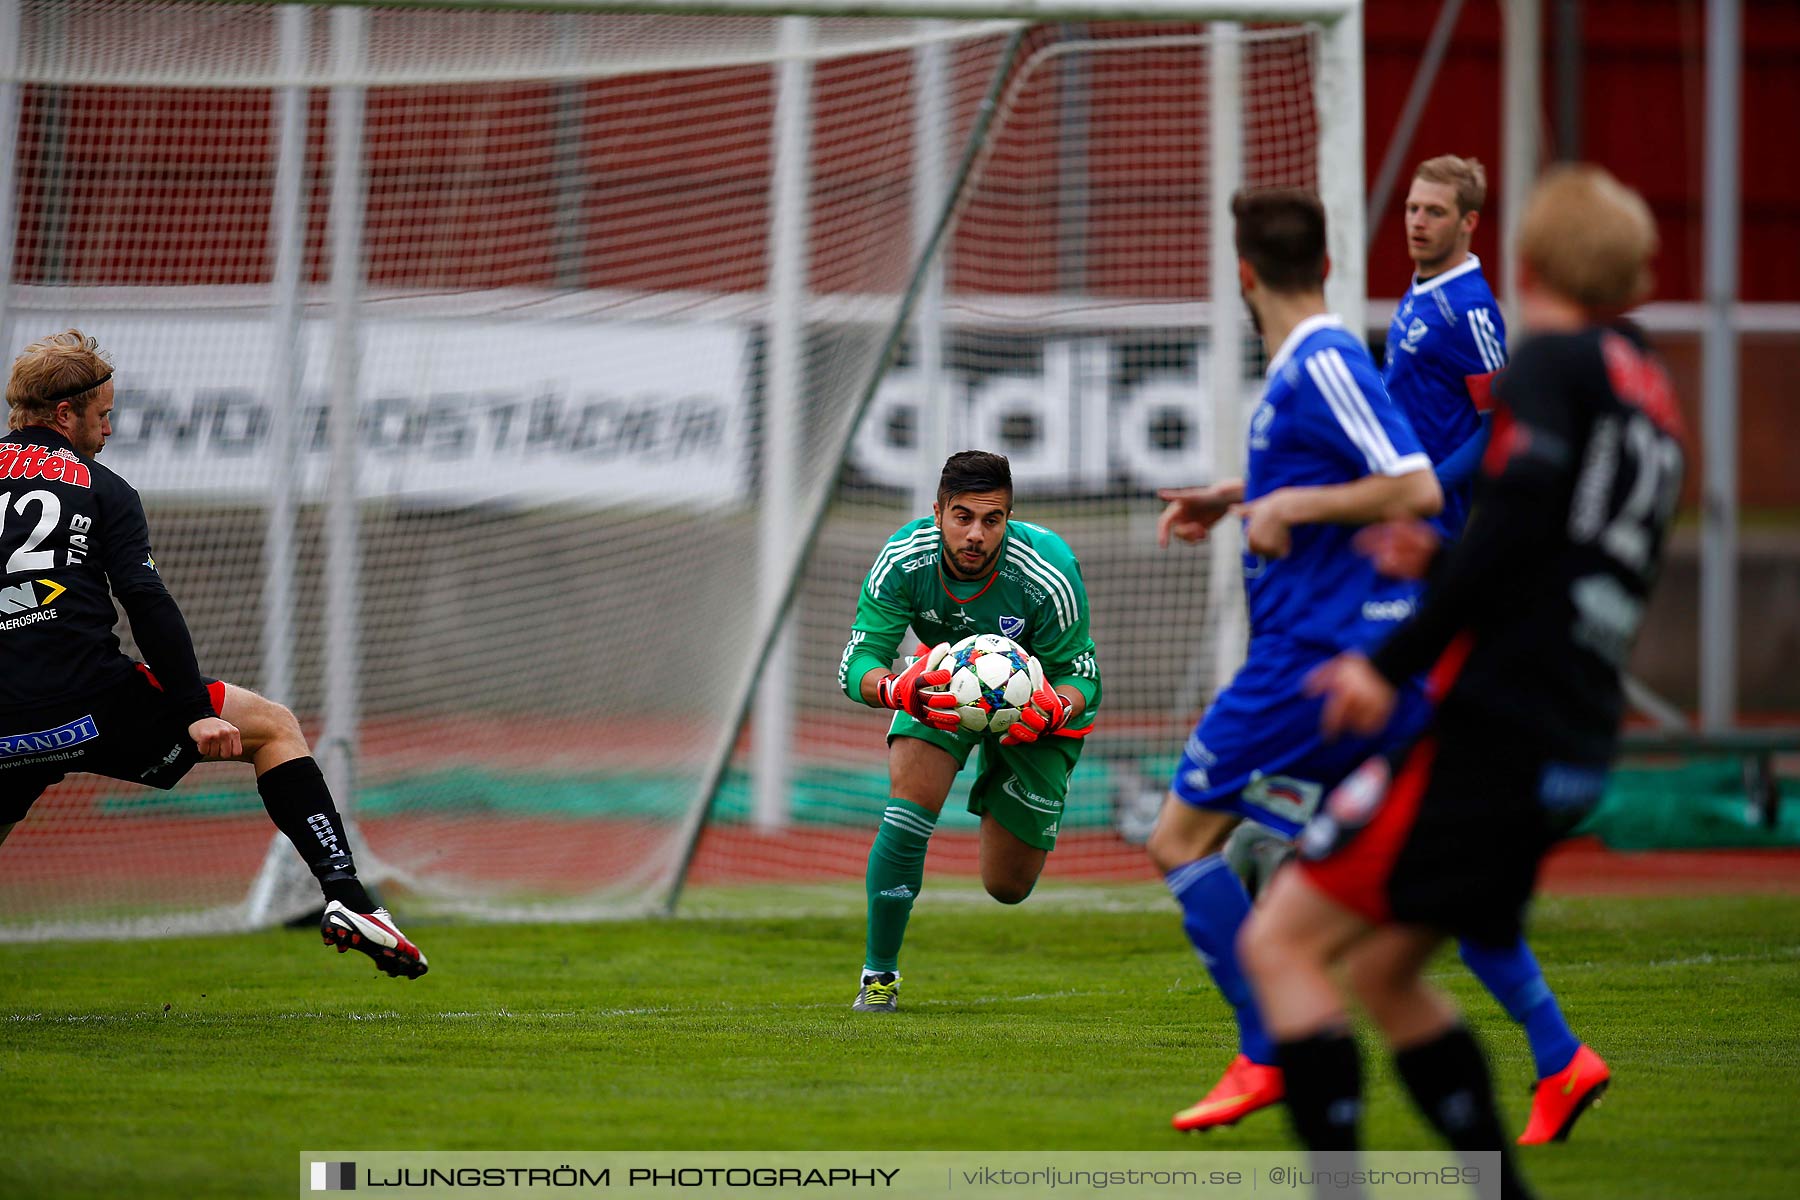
point(455, 411)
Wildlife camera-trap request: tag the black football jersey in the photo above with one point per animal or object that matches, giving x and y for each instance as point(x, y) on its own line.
point(1533, 615)
point(72, 537)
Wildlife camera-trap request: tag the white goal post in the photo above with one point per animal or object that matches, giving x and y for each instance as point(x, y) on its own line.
point(503, 379)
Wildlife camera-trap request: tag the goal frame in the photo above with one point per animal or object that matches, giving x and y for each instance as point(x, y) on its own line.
point(1338, 102)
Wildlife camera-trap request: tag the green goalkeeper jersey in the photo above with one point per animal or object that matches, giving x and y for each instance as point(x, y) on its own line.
point(1034, 596)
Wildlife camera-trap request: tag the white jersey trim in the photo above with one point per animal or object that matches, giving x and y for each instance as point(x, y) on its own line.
point(1332, 377)
point(1062, 592)
point(1302, 331)
point(893, 552)
point(1407, 464)
point(1422, 287)
point(1487, 338)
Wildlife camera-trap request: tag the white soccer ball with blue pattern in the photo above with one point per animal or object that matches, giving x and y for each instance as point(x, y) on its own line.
point(991, 680)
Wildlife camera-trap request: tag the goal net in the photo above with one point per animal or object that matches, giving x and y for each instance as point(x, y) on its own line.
point(637, 334)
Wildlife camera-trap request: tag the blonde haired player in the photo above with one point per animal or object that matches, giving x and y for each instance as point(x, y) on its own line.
point(72, 539)
point(1525, 630)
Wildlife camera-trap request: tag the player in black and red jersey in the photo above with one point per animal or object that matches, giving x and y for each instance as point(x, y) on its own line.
point(72, 538)
point(1525, 629)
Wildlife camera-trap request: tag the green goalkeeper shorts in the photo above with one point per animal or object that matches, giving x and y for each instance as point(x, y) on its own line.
point(1025, 786)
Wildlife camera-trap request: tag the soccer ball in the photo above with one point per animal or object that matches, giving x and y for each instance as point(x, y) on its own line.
point(991, 680)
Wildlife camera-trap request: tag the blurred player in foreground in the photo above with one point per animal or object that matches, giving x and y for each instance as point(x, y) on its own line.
point(73, 538)
point(967, 569)
point(1525, 629)
point(1445, 344)
point(1328, 452)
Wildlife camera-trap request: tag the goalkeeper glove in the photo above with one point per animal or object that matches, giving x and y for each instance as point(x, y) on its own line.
point(1048, 711)
point(906, 692)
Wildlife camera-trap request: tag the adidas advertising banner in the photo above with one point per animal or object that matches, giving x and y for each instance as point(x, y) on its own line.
point(1222, 1175)
point(1075, 414)
point(453, 411)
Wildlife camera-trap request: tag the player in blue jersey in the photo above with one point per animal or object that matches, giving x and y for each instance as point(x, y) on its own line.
point(1447, 338)
point(1446, 342)
point(1328, 453)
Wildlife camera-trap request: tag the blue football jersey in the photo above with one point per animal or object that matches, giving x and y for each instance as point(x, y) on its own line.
point(1446, 338)
point(1325, 418)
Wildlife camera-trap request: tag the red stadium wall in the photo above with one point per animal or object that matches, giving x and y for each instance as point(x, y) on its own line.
point(159, 187)
point(1642, 104)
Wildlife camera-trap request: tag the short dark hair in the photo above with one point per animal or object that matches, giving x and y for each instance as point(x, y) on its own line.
point(1280, 232)
point(974, 471)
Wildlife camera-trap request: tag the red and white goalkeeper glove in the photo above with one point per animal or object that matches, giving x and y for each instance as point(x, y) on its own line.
point(906, 692)
point(1048, 711)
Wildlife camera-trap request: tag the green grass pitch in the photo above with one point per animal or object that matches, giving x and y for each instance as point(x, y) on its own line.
point(201, 1067)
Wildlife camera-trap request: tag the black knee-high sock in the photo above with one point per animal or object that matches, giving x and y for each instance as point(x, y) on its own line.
point(1323, 1077)
point(300, 805)
point(1448, 1079)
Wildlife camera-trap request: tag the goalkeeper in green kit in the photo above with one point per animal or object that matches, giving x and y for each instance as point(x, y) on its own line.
point(968, 569)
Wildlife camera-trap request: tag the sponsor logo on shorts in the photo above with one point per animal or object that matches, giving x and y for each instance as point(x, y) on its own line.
point(1319, 838)
point(1283, 795)
point(1571, 785)
point(1387, 610)
point(1030, 799)
point(1012, 627)
point(38, 760)
point(1198, 780)
point(81, 729)
point(1355, 800)
point(166, 760)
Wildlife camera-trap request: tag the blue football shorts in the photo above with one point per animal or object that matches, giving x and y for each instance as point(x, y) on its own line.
point(1258, 752)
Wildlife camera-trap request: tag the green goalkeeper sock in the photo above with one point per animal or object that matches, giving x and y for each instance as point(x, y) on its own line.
point(896, 872)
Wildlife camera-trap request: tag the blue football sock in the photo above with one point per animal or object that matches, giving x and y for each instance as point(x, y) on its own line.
point(1513, 976)
point(1213, 907)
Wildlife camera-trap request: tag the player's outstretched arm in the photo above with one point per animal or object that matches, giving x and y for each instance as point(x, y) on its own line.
point(1359, 502)
point(157, 625)
point(1189, 513)
point(1460, 464)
